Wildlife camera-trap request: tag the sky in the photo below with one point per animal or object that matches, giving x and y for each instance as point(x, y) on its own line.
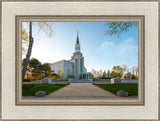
point(99, 51)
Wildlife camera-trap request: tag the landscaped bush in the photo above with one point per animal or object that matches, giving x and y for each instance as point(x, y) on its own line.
point(27, 80)
point(27, 86)
point(102, 80)
point(62, 79)
point(106, 78)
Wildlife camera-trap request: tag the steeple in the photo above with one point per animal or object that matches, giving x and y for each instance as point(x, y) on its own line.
point(77, 46)
point(77, 42)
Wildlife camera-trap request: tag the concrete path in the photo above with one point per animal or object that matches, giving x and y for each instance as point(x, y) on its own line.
point(82, 91)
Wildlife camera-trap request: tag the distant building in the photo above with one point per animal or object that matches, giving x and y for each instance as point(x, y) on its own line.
point(74, 66)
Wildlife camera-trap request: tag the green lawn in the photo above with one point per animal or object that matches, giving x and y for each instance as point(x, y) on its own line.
point(31, 89)
point(132, 89)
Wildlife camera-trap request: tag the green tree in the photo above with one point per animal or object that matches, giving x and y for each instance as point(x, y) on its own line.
point(38, 70)
point(35, 73)
point(108, 74)
point(104, 75)
point(46, 70)
point(33, 63)
point(113, 74)
point(117, 28)
point(128, 75)
point(117, 72)
point(46, 27)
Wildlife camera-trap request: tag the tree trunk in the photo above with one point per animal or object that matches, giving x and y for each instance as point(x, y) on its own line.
point(26, 62)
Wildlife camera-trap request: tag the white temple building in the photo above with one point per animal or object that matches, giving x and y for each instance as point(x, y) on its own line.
point(74, 66)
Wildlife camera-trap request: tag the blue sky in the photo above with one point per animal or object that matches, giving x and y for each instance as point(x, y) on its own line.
point(99, 51)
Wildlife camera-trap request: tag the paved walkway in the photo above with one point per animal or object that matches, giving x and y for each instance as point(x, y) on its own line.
point(81, 91)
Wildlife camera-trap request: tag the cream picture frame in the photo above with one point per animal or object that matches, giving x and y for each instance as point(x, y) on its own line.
point(139, 19)
point(13, 108)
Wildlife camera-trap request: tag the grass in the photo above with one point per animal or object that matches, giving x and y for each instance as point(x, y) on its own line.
point(31, 89)
point(132, 89)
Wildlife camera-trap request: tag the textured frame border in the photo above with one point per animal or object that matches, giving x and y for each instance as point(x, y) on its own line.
point(88, 18)
point(75, 1)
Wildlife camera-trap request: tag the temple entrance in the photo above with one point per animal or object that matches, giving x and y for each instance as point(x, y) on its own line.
point(85, 76)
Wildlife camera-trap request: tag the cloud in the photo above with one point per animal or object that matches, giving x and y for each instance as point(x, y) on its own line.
point(125, 52)
point(107, 44)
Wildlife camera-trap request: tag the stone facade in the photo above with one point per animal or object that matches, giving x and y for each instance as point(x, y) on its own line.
point(74, 66)
point(63, 65)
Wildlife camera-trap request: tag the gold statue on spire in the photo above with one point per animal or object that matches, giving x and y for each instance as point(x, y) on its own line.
point(77, 32)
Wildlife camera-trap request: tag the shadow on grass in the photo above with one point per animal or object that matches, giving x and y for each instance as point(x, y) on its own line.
point(31, 89)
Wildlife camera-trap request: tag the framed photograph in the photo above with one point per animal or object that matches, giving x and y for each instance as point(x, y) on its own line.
point(78, 79)
point(80, 60)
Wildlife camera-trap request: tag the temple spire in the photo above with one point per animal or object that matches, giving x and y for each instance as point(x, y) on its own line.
point(77, 45)
point(77, 42)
